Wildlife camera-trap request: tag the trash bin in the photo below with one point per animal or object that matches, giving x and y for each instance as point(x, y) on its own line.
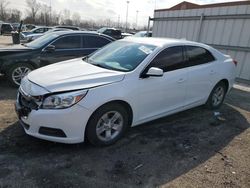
point(15, 37)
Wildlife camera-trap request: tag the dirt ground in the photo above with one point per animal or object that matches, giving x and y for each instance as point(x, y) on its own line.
point(5, 41)
point(188, 149)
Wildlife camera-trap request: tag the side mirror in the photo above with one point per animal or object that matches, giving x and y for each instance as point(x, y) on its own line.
point(154, 71)
point(50, 48)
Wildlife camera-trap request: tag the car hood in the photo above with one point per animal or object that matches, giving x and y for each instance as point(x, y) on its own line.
point(35, 35)
point(72, 75)
point(26, 33)
point(14, 49)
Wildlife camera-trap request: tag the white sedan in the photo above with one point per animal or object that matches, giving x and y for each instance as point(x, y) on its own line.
point(124, 84)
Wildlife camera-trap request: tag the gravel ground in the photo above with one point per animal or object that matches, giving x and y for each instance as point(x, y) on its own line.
point(188, 149)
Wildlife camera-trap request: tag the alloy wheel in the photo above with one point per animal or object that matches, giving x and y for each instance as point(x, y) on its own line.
point(18, 74)
point(109, 126)
point(218, 96)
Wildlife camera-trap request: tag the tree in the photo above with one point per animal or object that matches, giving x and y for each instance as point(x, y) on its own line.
point(14, 15)
point(33, 8)
point(76, 18)
point(3, 9)
point(44, 15)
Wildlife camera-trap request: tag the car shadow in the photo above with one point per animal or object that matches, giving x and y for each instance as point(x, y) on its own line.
point(235, 99)
point(149, 155)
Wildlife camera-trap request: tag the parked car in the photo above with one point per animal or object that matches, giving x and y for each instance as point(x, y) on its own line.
point(6, 28)
point(36, 30)
point(126, 35)
point(18, 60)
point(124, 84)
point(143, 34)
point(30, 26)
point(34, 36)
point(17, 25)
point(68, 27)
point(115, 33)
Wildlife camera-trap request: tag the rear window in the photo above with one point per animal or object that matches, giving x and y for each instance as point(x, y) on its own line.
point(197, 55)
point(95, 41)
point(6, 26)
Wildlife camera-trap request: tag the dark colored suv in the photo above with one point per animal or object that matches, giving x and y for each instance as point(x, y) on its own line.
point(115, 33)
point(19, 60)
point(6, 28)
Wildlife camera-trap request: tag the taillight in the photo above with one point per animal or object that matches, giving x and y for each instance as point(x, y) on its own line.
point(235, 62)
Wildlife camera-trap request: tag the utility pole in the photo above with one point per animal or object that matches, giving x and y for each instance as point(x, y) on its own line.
point(136, 19)
point(118, 22)
point(50, 12)
point(127, 17)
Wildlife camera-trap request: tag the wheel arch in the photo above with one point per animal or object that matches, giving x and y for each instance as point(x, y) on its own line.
point(8, 66)
point(226, 82)
point(121, 102)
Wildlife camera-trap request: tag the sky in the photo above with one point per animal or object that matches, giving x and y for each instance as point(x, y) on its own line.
point(110, 9)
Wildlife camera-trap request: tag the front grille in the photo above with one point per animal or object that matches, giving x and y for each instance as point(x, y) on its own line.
point(27, 101)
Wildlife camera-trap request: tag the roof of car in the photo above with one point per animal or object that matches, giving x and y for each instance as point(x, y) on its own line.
point(160, 42)
point(82, 32)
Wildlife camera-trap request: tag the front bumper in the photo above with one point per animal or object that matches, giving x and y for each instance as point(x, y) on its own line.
point(71, 121)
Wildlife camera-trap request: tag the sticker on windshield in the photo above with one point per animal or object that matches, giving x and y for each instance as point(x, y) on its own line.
point(145, 49)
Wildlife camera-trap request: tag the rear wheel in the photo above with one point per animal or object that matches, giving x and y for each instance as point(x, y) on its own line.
point(217, 96)
point(107, 125)
point(17, 72)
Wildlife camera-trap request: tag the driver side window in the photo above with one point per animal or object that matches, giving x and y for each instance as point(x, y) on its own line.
point(170, 59)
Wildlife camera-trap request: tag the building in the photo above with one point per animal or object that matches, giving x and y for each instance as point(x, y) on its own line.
point(225, 26)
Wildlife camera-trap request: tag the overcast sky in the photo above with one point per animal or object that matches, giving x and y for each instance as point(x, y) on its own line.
point(109, 9)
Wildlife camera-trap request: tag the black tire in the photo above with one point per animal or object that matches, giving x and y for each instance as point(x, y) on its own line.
point(91, 130)
point(209, 104)
point(13, 68)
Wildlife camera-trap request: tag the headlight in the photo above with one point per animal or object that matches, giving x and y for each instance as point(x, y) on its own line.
point(30, 38)
point(63, 100)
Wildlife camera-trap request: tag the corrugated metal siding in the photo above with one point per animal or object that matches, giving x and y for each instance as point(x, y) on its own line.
point(227, 32)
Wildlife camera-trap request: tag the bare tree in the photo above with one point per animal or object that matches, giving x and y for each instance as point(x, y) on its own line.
point(44, 15)
point(33, 8)
point(14, 15)
point(65, 20)
point(3, 9)
point(76, 18)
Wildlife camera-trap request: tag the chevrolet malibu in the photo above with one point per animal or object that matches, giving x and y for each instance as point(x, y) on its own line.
point(124, 84)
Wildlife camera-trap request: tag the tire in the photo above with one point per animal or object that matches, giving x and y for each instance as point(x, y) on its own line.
point(106, 131)
point(13, 71)
point(217, 96)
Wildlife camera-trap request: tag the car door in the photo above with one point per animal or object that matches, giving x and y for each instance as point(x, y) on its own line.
point(201, 74)
point(93, 42)
point(162, 95)
point(66, 47)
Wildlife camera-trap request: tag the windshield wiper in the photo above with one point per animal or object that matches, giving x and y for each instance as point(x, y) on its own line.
point(100, 65)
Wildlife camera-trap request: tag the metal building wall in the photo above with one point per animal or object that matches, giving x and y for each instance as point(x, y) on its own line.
point(226, 28)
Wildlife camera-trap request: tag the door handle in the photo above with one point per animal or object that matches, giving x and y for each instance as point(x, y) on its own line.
point(181, 80)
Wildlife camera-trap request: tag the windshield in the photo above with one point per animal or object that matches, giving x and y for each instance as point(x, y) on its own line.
point(141, 34)
point(121, 55)
point(101, 30)
point(41, 41)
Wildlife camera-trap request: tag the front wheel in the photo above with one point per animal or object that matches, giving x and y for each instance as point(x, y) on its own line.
point(217, 96)
point(16, 73)
point(107, 125)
